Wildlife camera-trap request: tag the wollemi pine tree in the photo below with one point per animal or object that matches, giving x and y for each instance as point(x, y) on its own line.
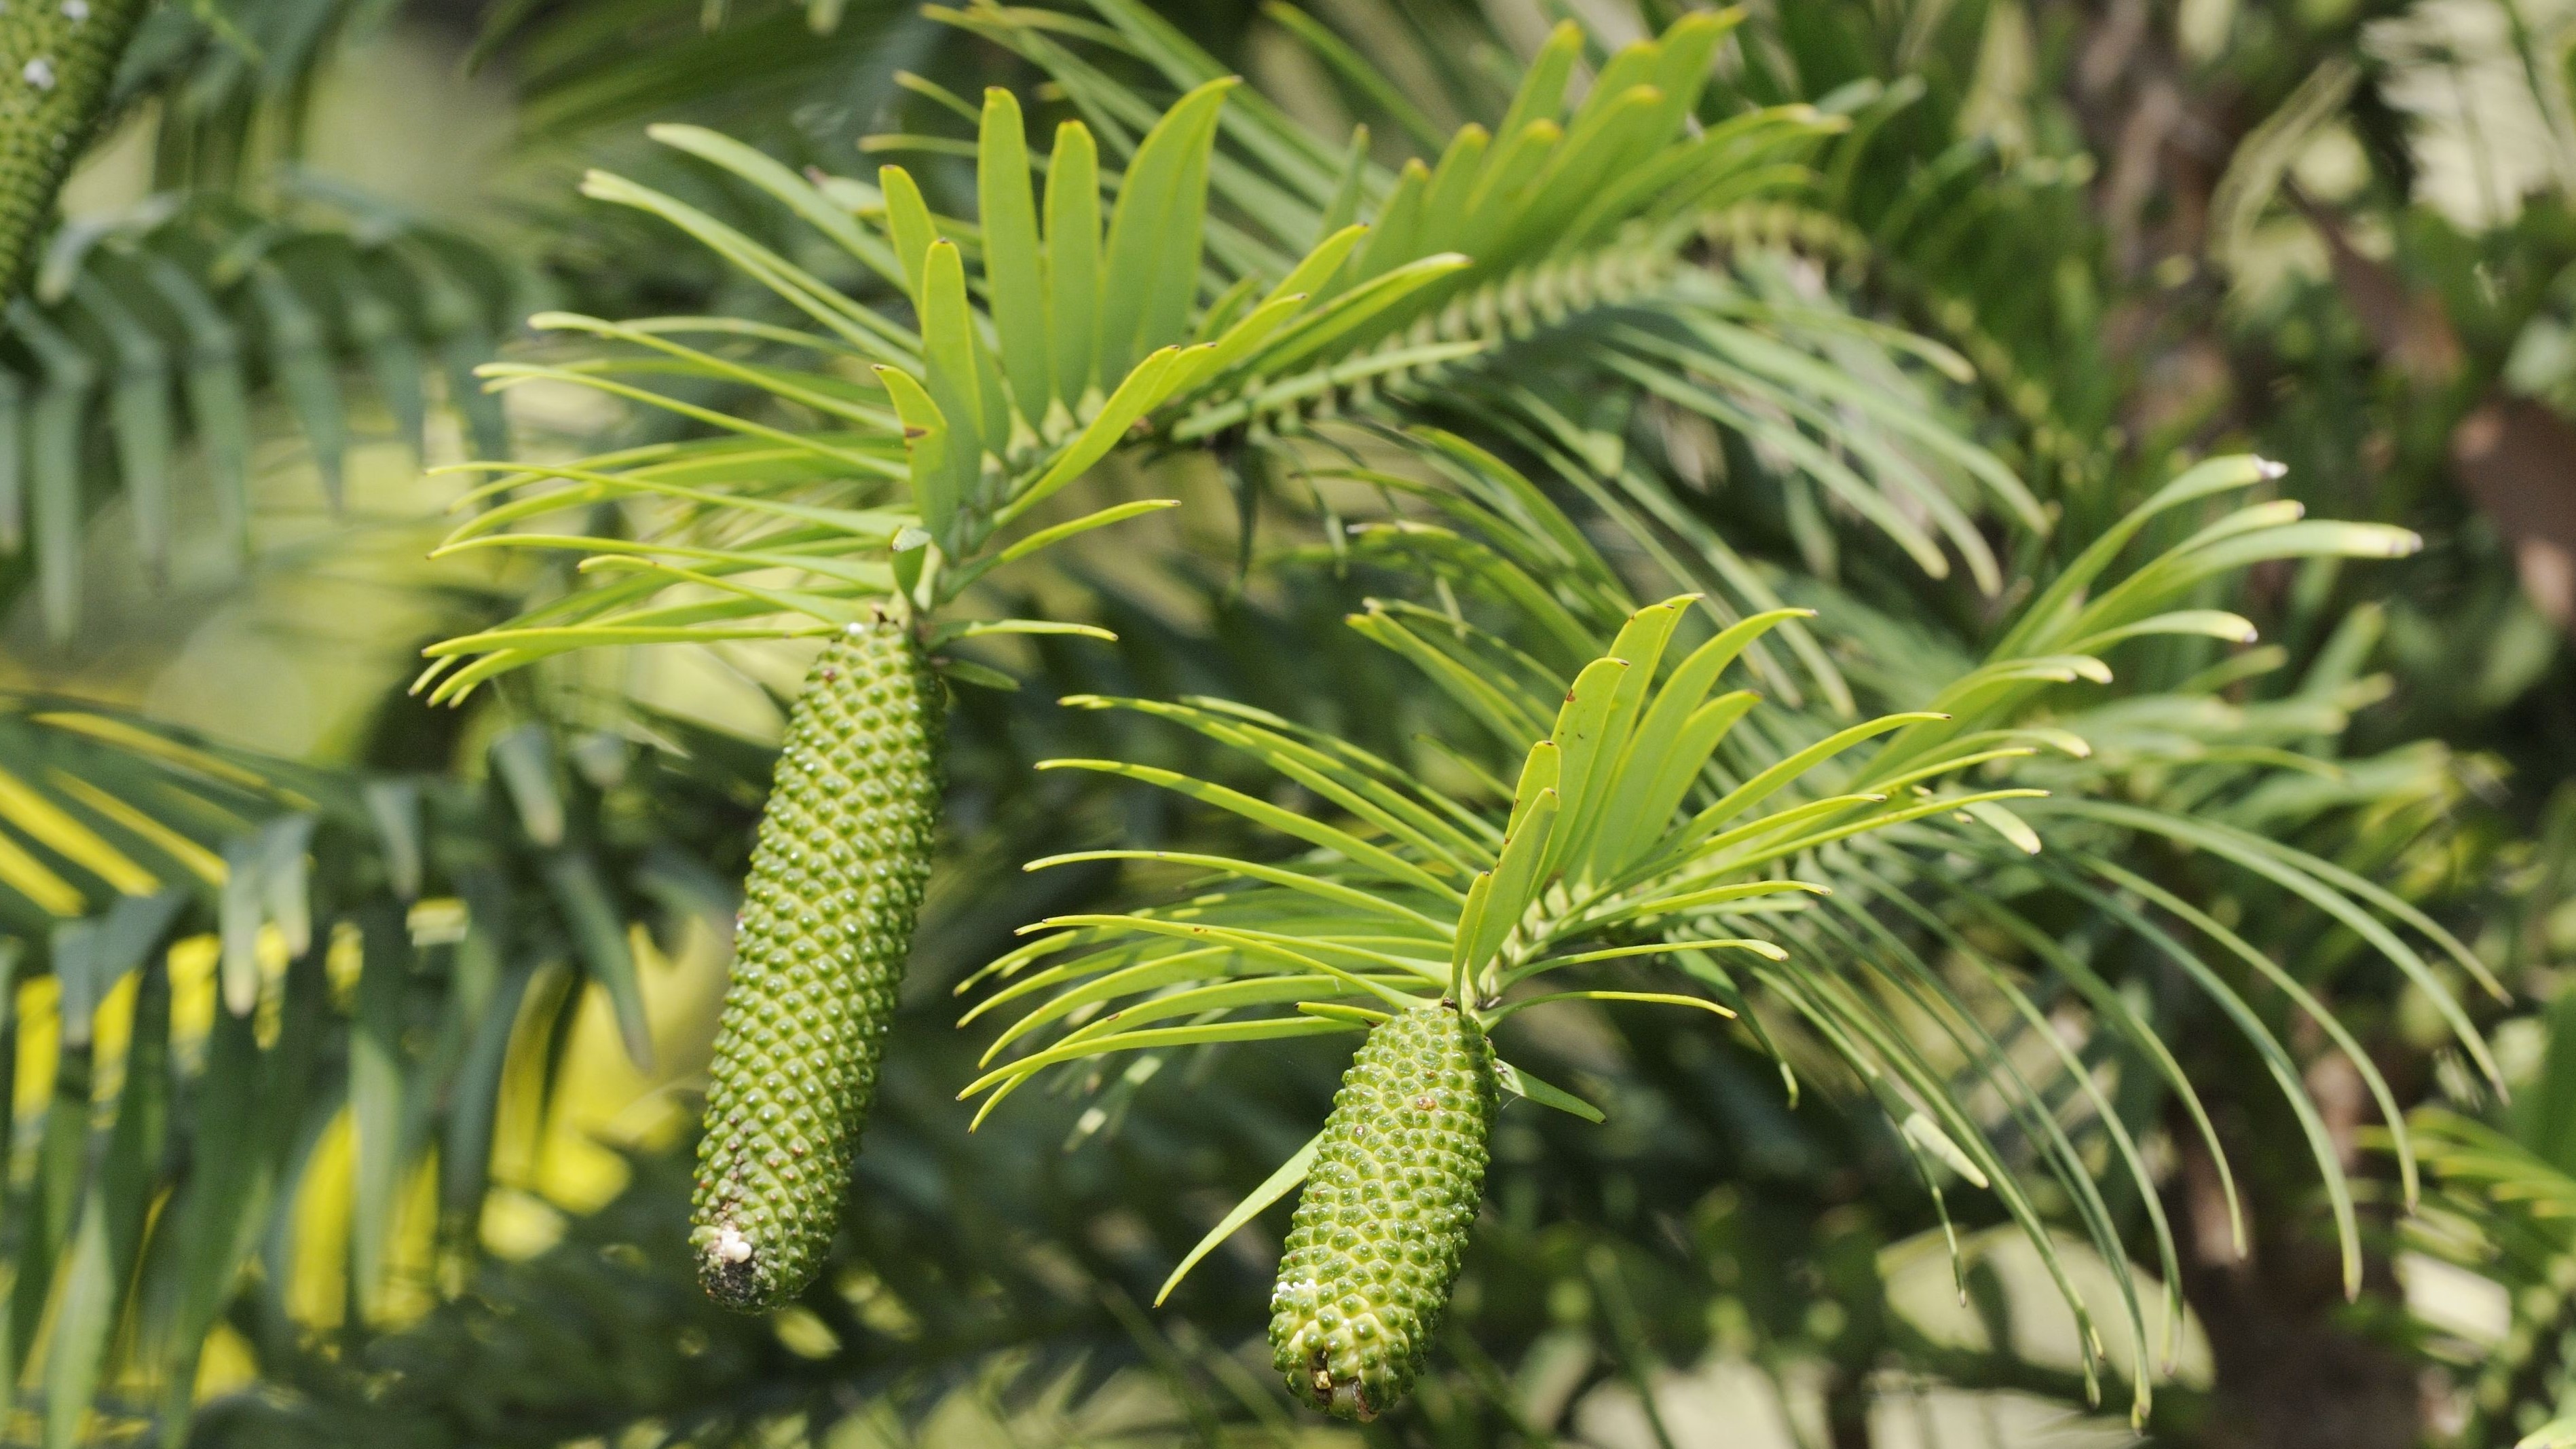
point(1649, 823)
point(888, 514)
point(1158, 329)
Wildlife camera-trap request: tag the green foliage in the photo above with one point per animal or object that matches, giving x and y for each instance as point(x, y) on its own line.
point(170, 325)
point(1638, 825)
point(1255, 330)
point(2020, 842)
point(1654, 820)
point(302, 999)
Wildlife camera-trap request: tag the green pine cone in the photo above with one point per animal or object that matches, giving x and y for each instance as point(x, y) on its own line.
point(819, 950)
point(56, 59)
point(1374, 1245)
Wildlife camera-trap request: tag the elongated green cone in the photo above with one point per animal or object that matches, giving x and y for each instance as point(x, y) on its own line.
point(1375, 1242)
point(826, 924)
point(56, 59)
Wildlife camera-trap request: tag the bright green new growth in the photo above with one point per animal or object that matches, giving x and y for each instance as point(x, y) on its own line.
point(826, 924)
point(56, 59)
point(1375, 1242)
point(846, 839)
point(1665, 823)
point(944, 422)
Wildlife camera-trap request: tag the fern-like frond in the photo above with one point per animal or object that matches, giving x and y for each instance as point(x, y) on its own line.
point(157, 335)
point(1243, 283)
point(1615, 845)
point(1776, 859)
point(214, 964)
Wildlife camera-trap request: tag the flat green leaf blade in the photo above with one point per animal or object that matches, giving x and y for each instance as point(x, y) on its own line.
point(1541, 96)
point(599, 936)
point(13, 463)
point(219, 406)
point(1340, 322)
point(908, 224)
point(1355, 68)
point(1644, 805)
point(393, 807)
point(1156, 230)
point(952, 371)
point(138, 417)
point(1777, 777)
point(393, 358)
point(1521, 1084)
point(1013, 266)
point(1395, 237)
point(84, 1314)
point(1319, 266)
point(466, 1146)
point(1641, 643)
point(1672, 741)
point(459, 353)
point(1516, 878)
point(1580, 725)
point(55, 515)
point(299, 355)
point(862, 327)
point(1260, 1029)
point(225, 1194)
point(49, 1208)
point(1140, 393)
point(1540, 771)
point(938, 470)
point(1287, 822)
point(1272, 1188)
point(376, 1098)
point(1495, 708)
point(800, 195)
point(1073, 260)
point(1444, 199)
point(1046, 538)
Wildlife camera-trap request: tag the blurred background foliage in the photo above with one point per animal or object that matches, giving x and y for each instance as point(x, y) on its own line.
point(444, 1205)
